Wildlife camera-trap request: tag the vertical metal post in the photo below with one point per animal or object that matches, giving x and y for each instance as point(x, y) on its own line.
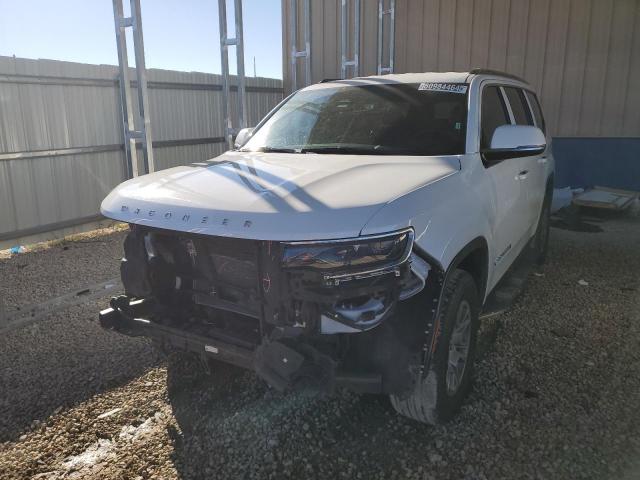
point(355, 62)
point(224, 59)
point(392, 35)
point(225, 43)
point(131, 135)
point(143, 97)
point(295, 53)
point(307, 42)
point(392, 32)
point(343, 38)
point(242, 98)
point(126, 104)
point(293, 34)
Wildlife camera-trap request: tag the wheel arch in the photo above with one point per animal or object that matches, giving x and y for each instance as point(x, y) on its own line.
point(474, 259)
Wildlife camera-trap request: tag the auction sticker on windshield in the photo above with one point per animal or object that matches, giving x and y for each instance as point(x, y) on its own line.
point(443, 87)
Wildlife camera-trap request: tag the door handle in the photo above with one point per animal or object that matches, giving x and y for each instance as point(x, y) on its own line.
point(522, 175)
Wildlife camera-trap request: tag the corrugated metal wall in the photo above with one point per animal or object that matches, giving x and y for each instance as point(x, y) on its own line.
point(582, 56)
point(74, 109)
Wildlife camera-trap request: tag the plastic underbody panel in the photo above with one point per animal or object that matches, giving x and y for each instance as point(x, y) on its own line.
point(231, 299)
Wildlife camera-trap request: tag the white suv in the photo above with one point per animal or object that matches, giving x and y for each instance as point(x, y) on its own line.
point(350, 240)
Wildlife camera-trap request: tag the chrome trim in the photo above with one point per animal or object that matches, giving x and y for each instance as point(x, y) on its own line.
point(354, 323)
point(420, 268)
point(529, 148)
point(354, 314)
point(507, 103)
point(533, 117)
point(520, 149)
point(353, 239)
point(347, 277)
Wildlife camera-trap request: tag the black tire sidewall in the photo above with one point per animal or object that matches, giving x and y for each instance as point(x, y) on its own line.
point(541, 240)
point(465, 289)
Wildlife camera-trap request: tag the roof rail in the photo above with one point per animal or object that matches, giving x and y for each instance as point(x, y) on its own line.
point(498, 73)
point(327, 80)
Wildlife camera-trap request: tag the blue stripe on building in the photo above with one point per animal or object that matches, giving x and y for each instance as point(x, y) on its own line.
point(609, 162)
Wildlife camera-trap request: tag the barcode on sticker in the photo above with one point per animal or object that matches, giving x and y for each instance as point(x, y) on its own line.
point(211, 348)
point(443, 87)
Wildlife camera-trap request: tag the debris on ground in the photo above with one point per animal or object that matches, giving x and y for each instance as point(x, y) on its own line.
point(561, 198)
point(109, 413)
point(607, 198)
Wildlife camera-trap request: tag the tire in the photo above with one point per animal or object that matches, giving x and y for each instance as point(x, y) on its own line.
point(436, 397)
point(540, 241)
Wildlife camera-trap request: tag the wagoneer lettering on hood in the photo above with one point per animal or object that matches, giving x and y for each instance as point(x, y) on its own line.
point(270, 196)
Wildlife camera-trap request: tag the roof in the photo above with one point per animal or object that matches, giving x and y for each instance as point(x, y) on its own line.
point(496, 73)
point(438, 77)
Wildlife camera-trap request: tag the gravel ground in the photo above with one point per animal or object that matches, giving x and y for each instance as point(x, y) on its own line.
point(557, 390)
point(50, 270)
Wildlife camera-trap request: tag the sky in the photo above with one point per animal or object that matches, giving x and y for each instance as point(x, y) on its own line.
point(178, 34)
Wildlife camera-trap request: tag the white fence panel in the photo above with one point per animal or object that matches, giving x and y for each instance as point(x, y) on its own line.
point(61, 146)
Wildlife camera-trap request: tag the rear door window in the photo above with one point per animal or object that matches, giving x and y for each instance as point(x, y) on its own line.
point(537, 111)
point(493, 114)
point(519, 106)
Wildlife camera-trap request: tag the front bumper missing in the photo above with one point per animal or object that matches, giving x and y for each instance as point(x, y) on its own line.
point(280, 365)
point(232, 301)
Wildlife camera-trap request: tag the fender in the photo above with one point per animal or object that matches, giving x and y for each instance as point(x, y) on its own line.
point(444, 223)
point(478, 243)
point(438, 280)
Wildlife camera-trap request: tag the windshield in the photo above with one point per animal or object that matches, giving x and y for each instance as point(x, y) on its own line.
point(385, 119)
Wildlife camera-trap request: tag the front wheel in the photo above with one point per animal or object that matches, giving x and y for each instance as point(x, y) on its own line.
point(439, 394)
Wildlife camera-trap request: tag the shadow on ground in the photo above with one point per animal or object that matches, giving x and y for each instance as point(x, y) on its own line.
point(230, 424)
point(60, 362)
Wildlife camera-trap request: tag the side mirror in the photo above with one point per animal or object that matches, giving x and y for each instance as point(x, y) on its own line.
point(243, 136)
point(512, 141)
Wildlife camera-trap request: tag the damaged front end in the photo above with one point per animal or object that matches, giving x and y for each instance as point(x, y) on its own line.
point(322, 314)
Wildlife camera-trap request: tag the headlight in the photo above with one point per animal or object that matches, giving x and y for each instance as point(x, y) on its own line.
point(366, 254)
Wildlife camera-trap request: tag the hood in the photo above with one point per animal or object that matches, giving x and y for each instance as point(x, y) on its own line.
point(273, 196)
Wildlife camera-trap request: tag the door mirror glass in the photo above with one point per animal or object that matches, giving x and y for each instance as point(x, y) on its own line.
point(243, 136)
point(511, 141)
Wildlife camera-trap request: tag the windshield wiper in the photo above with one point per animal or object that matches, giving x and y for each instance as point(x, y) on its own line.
point(273, 150)
point(365, 149)
point(329, 149)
